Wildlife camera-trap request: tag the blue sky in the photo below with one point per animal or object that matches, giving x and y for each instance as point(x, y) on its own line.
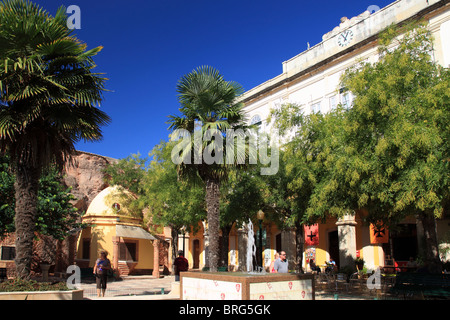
point(149, 45)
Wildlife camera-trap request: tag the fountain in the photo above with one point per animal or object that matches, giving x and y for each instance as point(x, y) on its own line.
point(251, 251)
point(251, 247)
point(249, 285)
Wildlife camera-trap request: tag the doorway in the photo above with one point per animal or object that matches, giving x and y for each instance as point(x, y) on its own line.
point(403, 242)
point(128, 251)
point(333, 246)
point(196, 254)
point(278, 242)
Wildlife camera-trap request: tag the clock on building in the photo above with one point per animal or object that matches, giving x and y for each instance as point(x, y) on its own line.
point(345, 37)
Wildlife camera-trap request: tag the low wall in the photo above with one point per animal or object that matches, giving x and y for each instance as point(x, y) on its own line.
point(42, 295)
point(242, 286)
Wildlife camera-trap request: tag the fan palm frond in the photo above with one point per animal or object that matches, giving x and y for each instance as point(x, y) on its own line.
point(47, 88)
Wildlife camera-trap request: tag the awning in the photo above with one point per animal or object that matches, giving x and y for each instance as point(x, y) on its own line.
point(133, 232)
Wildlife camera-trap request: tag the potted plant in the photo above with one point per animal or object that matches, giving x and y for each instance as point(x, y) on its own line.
point(359, 263)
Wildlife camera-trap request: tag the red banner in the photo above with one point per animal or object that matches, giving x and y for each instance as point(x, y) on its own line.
point(378, 233)
point(312, 235)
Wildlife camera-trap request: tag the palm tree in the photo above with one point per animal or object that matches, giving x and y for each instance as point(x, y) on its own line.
point(48, 101)
point(208, 100)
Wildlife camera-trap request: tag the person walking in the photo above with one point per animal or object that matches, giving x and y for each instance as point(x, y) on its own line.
point(102, 265)
point(180, 264)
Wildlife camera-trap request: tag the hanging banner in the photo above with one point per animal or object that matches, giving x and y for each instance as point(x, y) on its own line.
point(312, 235)
point(378, 233)
point(310, 254)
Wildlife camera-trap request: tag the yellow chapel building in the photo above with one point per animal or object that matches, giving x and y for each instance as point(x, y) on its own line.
point(113, 228)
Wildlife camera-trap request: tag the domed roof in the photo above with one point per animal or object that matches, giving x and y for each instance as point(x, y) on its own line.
point(110, 202)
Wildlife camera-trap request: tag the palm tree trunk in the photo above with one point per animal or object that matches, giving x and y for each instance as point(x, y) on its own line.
point(224, 245)
point(212, 207)
point(26, 190)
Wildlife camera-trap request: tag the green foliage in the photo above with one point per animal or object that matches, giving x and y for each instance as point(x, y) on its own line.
point(241, 196)
point(312, 167)
point(389, 153)
point(56, 215)
point(166, 199)
point(16, 285)
point(128, 173)
point(6, 198)
point(399, 126)
point(48, 92)
point(172, 201)
point(207, 103)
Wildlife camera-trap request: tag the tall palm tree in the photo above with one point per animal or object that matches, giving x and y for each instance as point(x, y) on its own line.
point(208, 100)
point(48, 101)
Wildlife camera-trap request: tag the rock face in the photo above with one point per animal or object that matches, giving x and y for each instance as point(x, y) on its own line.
point(86, 177)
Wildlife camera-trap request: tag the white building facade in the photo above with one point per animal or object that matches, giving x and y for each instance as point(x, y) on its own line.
point(312, 79)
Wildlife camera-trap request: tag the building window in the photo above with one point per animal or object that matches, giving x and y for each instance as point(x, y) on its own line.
point(8, 253)
point(346, 100)
point(445, 42)
point(315, 108)
point(256, 120)
point(333, 102)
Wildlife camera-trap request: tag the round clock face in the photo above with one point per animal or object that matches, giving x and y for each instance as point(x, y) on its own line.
point(345, 37)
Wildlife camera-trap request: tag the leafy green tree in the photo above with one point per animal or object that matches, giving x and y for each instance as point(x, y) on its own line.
point(129, 173)
point(172, 202)
point(303, 166)
point(161, 195)
point(56, 216)
point(208, 101)
point(324, 171)
point(241, 198)
point(6, 198)
point(398, 128)
point(283, 205)
point(389, 152)
point(48, 101)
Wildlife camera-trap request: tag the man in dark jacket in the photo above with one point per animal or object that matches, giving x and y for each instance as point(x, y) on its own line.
point(180, 264)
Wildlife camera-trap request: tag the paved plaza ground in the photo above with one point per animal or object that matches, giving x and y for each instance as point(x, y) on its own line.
point(149, 288)
point(132, 288)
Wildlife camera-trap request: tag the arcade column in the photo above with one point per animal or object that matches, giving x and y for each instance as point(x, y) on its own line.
point(347, 239)
point(156, 258)
point(242, 249)
point(115, 241)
